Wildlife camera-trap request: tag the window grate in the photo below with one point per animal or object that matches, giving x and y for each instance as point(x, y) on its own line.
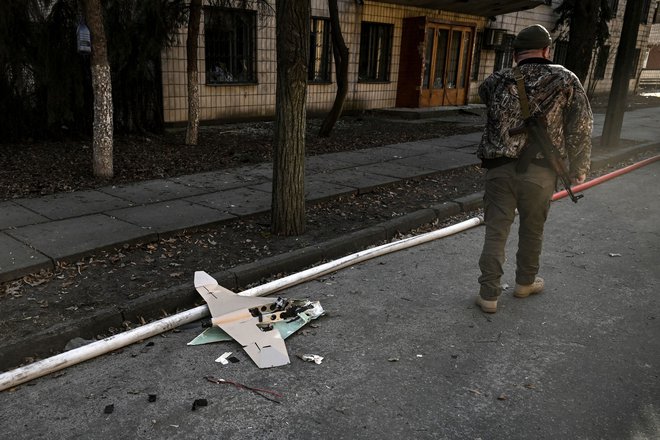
point(477, 56)
point(504, 55)
point(230, 45)
point(561, 52)
point(320, 48)
point(375, 51)
point(601, 62)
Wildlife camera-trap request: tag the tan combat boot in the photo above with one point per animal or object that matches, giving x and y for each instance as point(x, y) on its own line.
point(523, 291)
point(487, 306)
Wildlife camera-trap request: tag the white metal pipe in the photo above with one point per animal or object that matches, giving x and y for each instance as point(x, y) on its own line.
point(58, 362)
point(358, 257)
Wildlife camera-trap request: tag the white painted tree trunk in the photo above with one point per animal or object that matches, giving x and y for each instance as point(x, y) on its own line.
point(102, 84)
point(103, 122)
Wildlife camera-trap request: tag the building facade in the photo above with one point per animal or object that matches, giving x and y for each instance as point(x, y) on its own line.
point(400, 55)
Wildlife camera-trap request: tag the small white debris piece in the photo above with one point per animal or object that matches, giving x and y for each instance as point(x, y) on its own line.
point(614, 255)
point(312, 358)
point(420, 355)
point(223, 359)
point(505, 286)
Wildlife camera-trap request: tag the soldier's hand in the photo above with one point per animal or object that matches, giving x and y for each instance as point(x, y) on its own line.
point(578, 179)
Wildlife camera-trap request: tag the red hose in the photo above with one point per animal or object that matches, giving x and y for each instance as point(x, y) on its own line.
point(604, 178)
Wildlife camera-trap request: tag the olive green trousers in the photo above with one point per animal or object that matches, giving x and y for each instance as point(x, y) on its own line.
point(506, 191)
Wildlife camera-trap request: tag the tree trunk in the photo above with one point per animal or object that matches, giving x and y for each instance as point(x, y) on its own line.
point(102, 86)
point(192, 130)
point(625, 56)
point(340, 52)
point(582, 36)
point(292, 30)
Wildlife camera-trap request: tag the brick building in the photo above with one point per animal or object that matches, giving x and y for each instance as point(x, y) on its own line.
point(403, 53)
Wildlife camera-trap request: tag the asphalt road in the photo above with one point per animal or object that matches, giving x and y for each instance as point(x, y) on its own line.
point(408, 355)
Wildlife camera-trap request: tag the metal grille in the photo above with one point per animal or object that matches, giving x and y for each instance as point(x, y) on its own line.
point(375, 52)
point(477, 56)
point(230, 49)
point(601, 62)
point(320, 48)
point(561, 52)
point(504, 55)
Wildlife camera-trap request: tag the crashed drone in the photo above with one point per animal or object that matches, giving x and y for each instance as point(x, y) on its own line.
point(260, 325)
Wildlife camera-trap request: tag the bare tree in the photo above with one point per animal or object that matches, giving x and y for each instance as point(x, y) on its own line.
point(102, 143)
point(192, 131)
point(340, 51)
point(587, 24)
point(288, 203)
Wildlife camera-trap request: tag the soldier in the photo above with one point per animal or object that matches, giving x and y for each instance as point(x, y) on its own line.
point(555, 95)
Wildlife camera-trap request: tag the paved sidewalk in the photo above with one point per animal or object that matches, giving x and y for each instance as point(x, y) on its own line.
point(36, 233)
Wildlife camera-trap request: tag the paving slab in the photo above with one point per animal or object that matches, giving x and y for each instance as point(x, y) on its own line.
point(350, 177)
point(407, 149)
point(171, 216)
point(238, 201)
point(322, 164)
point(73, 204)
point(454, 142)
point(396, 169)
point(419, 148)
point(444, 160)
point(219, 180)
point(152, 191)
point(71, 238)
point(370, 155)
point(18, 259)
point(467, 138)
point(263, 171)
point(13, 215)
point(315, 189)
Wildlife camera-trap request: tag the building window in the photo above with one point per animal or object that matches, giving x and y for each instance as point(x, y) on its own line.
point(320, 48)
point(375, 51)
point(633, 72)
point(614, 6)
point(561, 52)
point(230, 45)
point(601, 62)
point(504, 53)
point(476, 63)
point(645, 11)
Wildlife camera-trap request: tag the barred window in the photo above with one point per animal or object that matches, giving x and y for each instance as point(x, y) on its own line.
point(645, 11)
point(375, 52)
point(476, 63)
point(633, 72)
point(601, 62)
point(504, 54)
point(614, 6)
point(561, 52)
point(230, 45)
point(320, 48)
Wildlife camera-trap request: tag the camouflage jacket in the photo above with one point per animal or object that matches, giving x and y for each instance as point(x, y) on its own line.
point(555, 94)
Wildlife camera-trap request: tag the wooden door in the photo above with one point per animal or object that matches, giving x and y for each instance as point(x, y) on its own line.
point(445, 78)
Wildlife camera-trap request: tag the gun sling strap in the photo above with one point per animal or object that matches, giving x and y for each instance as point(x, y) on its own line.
point(529, 152)
point(522, 94)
